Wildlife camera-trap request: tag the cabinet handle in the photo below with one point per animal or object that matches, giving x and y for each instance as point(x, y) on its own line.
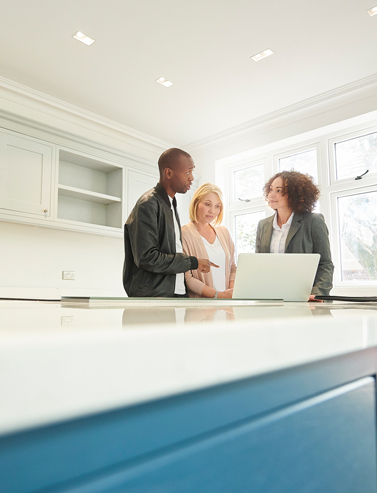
point(45, 211)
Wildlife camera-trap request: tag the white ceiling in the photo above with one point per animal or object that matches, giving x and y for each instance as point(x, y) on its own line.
point(203, 46)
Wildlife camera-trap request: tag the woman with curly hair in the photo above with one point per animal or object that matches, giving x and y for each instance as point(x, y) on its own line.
point(294, 228)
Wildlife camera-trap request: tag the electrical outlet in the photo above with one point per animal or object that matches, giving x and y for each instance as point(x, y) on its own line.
point(67, 320)
point(69, 275)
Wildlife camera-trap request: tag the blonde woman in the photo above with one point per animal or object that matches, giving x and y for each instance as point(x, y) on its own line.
point(204, 237)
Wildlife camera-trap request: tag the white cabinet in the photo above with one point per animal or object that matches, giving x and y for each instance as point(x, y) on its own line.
point(183, 201)
point(137, 184)
point(25, 175)
point(60, 183)
point(90, 190)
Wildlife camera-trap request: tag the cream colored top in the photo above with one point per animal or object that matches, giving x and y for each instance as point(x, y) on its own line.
point(193, 245)
point(216, 255)
point(279, 235)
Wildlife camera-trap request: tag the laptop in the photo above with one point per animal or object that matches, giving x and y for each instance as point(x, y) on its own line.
point(275, 276)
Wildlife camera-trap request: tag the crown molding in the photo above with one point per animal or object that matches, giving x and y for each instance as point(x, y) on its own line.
point(33, 96)
point(328, 100)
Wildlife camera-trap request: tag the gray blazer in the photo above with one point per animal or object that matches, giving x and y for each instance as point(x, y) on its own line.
point(308, 234)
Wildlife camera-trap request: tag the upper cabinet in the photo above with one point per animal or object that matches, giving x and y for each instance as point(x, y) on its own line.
point(90, 190)
point(74, 186)
point(137, 184)
point(25, 175)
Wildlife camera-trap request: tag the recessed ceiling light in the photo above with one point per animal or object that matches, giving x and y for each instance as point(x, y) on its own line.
point(262, 54)
point(83, 38)
point(164, 82)
point(372, 11)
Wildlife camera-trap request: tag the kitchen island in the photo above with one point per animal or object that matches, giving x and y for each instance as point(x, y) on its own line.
point(187, 396)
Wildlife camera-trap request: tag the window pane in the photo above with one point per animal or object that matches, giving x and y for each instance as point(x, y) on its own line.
point(304, 162)
point(246, 231)
point(358, 236)
point(248, 183)
point(354, 156)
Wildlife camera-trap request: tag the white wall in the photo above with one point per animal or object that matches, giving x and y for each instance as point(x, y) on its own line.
point(34, 257)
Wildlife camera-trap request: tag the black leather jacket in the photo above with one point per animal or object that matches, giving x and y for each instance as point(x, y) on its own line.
point(151, 262)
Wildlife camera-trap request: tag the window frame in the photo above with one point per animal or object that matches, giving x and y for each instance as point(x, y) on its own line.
point(299, 150)
point(342, 137)
point(240, 166)
point(336, 236)
point(234, 214)
point(324, 142)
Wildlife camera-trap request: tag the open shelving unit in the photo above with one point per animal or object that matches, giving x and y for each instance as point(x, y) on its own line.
point(89, 190)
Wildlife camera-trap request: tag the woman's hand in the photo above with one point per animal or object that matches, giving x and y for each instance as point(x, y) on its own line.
point(228, 293)
point(312, 298)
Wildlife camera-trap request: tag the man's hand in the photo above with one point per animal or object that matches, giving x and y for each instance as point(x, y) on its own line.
point(205, 265)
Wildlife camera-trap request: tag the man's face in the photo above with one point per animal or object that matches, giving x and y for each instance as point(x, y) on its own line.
point(182, 174)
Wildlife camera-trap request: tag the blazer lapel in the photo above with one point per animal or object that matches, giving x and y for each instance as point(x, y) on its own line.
point(266, 235)
point(295, 226)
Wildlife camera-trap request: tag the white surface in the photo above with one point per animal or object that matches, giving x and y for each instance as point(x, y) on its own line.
point(204, 50)
point(50, 371)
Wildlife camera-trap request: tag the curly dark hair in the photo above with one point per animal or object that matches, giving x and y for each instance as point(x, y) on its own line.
point(301, 190)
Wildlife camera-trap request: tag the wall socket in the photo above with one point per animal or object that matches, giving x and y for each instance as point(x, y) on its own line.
point(68, 275)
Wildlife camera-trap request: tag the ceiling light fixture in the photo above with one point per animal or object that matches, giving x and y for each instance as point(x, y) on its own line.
point(262, 54)
point(83, 38)
point(164, 82)
point(372, 11)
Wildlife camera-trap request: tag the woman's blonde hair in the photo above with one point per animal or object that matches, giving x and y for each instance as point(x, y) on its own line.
point(203, 190)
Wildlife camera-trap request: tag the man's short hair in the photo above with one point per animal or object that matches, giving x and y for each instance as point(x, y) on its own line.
point(168, 159)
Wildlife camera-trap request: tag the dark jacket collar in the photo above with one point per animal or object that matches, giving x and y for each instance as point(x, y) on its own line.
point(163, 193)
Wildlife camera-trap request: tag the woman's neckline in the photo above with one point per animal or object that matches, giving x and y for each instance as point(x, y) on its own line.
point(213, 229)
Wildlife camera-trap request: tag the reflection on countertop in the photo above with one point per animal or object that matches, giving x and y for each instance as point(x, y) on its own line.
point(131, 314)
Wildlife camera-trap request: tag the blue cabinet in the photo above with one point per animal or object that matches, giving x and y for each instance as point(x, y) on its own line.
point(221, 439)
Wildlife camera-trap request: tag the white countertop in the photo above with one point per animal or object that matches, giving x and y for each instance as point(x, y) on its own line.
point(64, 360)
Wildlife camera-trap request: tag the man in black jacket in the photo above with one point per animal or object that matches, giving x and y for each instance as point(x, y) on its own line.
point(154, 263)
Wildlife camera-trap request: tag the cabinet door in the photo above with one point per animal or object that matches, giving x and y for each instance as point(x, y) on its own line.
point(138, 183)
point(25, 175)
point(325, 444)
point(183, 201)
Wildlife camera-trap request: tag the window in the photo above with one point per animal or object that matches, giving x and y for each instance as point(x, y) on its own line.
point(245, 227)
point(355, 155)
point(246, 205)
point(248, 182)
point(304, 162)
point(348, 203)
point(357, 230)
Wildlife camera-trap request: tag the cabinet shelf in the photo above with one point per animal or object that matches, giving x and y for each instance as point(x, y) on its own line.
point(79, 193)
point(90, 190)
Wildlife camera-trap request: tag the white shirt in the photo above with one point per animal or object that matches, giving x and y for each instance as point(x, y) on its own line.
point(279, 235)
point(180, 287)
point(216, 255)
